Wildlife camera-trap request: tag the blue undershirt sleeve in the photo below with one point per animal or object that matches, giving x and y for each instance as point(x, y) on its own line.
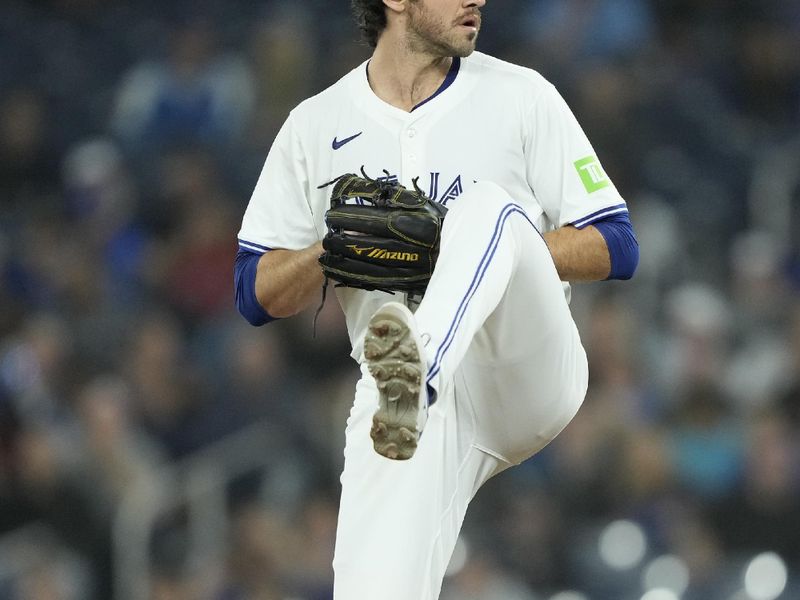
point(244, 276)
point(623, 248)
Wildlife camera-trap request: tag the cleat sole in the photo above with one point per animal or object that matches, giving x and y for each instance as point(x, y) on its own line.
point(393, 361)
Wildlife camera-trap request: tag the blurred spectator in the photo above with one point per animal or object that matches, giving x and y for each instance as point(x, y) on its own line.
point(197, 261)
point(102, 203)
point(261, 549)
point(759, 360)
point(43, 489)
point(34, 368)
point(643, 479)
point(196, 94)
point(285, 52)
point(705, 442)
point(482, 579)
point(117, 456)
point(770, 69)
point(763, 514)
point(48, 570)
point(168, 394)
point(788, 396)
point(696, 542)
point(582, 31)
point(27, 160)
point(697, 341)
point(312, 574)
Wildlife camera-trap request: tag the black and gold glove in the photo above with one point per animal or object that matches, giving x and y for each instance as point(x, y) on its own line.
point(381, 236)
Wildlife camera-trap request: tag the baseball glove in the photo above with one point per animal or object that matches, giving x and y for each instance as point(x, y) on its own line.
point(385, 238)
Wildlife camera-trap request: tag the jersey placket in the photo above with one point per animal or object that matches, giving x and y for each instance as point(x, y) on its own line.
point(411, 152)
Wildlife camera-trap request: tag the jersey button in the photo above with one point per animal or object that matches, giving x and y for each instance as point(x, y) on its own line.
point(411, 133)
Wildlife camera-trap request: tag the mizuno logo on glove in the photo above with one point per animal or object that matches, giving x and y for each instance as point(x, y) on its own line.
point(380, 253)
point(386, 255)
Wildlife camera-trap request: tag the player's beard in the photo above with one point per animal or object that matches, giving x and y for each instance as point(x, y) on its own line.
point(429, 34)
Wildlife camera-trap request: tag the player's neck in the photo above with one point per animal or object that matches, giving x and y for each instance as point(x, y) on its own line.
point(404, 78)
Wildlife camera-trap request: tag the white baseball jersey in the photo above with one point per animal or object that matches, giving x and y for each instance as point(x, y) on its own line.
point(489, 121)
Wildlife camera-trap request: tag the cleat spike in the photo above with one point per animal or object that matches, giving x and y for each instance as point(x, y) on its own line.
point(408, 352)
point(411, 373)
point(378, 432)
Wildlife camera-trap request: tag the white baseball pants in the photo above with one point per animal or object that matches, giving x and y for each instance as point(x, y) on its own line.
point(507, 362)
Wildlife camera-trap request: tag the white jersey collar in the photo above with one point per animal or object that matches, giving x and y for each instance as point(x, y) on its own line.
point(449, 92)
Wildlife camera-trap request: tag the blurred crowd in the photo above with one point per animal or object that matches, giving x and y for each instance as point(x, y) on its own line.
point(131, 136)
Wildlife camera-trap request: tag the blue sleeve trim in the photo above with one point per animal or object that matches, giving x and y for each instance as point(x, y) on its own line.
point(599, 215)
point(623, 248)
point(244, 276)
point(253, 247)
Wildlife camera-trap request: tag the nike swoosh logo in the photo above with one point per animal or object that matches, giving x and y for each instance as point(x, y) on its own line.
point(338, 144)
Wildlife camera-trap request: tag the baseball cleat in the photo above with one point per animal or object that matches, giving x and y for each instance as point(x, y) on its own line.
point(392, 347)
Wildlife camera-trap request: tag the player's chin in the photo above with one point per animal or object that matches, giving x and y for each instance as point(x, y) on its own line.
point(465, 47)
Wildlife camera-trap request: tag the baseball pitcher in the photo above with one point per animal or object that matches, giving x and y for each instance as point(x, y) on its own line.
point(445, 195)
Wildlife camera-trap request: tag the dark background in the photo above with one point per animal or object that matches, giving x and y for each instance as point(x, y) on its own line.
point(131, 136)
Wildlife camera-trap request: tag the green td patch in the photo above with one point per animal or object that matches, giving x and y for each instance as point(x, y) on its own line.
point(592, 174)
